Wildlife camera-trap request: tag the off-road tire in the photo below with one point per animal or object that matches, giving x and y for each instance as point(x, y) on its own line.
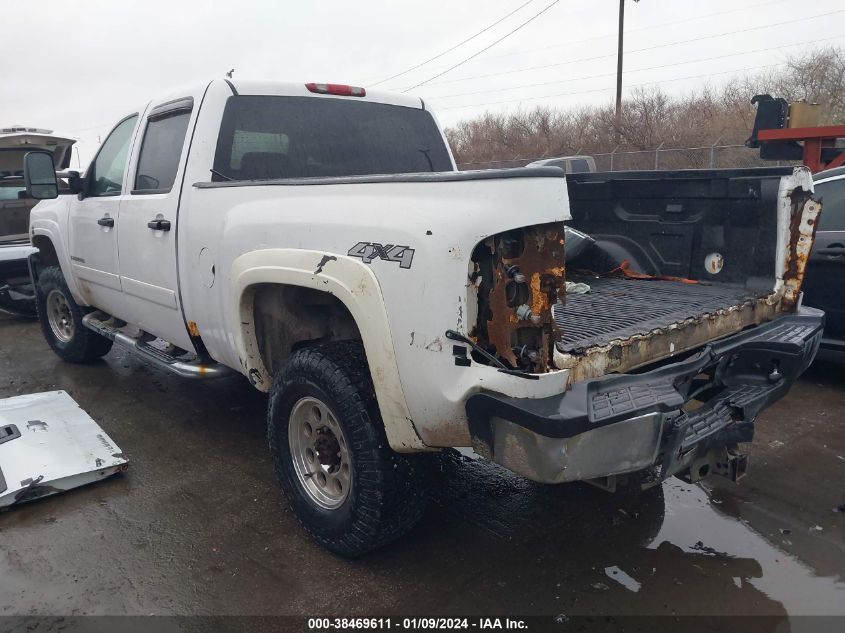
point(386, 497)
point(85, 345)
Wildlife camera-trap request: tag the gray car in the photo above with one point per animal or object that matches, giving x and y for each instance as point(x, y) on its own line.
point(826, 268)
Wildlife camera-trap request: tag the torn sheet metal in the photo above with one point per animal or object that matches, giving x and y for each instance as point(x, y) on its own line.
point(48, 444)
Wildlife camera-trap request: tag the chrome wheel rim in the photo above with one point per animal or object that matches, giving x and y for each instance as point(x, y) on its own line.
point(320, 453)
point(59, 316)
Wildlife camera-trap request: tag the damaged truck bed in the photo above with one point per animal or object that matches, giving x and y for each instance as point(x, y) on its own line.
point(674, 260)
point(682, 322)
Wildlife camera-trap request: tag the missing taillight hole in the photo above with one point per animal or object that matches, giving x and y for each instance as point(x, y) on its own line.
point(518, 276)
point(511, 244)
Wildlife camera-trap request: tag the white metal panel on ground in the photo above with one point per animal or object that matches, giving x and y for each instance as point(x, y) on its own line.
point(48, 444)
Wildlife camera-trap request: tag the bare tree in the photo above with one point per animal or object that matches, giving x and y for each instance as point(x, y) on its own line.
point(652, 118)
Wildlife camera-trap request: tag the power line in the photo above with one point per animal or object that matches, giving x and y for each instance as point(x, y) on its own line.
point(486, 48)
point(610, 89)
point(636, 70)
point(86, 129)
point(449, 50)
point(637, 50)
point(569, 43)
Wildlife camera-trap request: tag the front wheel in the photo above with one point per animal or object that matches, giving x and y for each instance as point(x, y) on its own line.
point(348, 489)
point(61, 320)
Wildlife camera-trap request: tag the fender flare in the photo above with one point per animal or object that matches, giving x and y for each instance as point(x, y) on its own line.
point(50, 229)
point(355, 285)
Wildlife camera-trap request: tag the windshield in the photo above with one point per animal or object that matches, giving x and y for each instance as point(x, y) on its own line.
point(264, 138)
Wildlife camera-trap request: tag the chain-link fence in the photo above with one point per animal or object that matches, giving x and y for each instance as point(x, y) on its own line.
point(710, 157)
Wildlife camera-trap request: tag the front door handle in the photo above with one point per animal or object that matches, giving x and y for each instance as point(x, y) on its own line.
point(106, 221)
point(159, 225)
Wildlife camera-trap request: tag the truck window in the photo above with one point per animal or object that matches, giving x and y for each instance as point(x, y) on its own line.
point(106, 172)
point(579, 166)
point(10, 192)
point(264, 137)
point(246, 141)
point(161, 151)
point(832, 194)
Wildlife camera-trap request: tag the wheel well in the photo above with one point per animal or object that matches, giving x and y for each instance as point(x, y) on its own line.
point(47, 255)
point(288, 318)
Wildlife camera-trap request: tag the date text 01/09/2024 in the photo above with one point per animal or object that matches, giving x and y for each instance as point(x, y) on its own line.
point(435, 624)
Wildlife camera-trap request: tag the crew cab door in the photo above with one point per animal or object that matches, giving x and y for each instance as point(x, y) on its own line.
point(148, 222)
point(93, 225)
point(822, 285)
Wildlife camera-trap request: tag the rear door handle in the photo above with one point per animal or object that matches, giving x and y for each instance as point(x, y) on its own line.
point(833, 249)
point(159, 225)
point(106, 221)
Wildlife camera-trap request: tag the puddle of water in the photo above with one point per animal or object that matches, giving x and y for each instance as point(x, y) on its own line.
point(696, 526)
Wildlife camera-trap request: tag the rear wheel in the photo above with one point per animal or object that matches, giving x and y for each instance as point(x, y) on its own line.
point(320, 453)
point(61, 320)
point(348, 489)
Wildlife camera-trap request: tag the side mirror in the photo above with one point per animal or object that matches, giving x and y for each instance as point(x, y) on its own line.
point(39, 175)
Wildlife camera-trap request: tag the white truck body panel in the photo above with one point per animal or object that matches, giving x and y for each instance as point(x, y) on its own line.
point(52, 445)
point(458, 215)
point(344, 215)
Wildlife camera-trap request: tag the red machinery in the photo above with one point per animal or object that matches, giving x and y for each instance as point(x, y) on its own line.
point(782, 133)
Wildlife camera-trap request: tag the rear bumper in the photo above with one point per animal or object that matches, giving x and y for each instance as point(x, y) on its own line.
point(625, 423)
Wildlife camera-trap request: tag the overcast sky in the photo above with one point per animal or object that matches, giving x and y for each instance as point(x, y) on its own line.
point(78, 67)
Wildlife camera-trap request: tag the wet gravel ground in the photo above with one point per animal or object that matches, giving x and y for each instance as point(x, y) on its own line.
point(197, 525)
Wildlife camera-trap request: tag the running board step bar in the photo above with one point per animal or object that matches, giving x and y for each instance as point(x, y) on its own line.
point(99, 323)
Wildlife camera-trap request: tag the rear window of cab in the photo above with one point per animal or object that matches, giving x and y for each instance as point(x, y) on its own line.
point(266, 138)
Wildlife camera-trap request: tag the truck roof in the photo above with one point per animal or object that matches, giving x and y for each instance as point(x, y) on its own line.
point(291, 89)
point(298, 89)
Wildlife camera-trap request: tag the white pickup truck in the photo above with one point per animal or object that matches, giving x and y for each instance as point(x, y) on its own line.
point(318, 240)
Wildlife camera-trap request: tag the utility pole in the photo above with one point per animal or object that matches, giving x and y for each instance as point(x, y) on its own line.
point(618, 119)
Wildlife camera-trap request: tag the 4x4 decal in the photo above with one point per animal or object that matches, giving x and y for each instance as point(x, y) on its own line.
point(368, 251)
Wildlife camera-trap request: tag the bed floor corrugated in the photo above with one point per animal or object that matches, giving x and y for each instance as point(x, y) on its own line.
point(618, 308)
